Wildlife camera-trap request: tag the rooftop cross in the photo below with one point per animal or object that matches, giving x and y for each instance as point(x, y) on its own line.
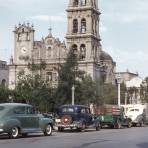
point(50, 31)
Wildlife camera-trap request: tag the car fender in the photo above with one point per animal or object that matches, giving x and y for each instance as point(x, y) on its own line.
point(9, 124)
point(43, 122)
point(96, 122)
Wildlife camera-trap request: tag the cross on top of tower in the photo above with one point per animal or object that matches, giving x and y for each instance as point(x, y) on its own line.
point(50, 32)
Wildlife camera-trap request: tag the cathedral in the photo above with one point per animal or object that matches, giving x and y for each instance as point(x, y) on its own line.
point(82, 38)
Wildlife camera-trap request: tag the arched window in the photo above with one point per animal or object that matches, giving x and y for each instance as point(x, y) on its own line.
point(82, 52)
point(75, 49)
point(23, 30)
point(19, 36)
point(48, 76)
point(27, 36)
point(83, 25)
point(76, 3)
point(75, 26)
point(3, 82)
point(83, 2)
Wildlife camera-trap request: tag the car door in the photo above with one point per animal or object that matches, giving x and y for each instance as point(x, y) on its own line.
point(88, 116)
point(20, 115)
point(32, 117)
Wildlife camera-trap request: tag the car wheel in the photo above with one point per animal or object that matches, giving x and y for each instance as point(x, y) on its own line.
point(141, 123)
point(14, 133)
point(48, 130)
point(24, 134)
point(98, 127)
point(118, 125)
point(129, 124)
point(82, 128)
point(60, 129)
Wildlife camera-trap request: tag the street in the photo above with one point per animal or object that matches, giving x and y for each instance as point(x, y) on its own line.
point(135, 137)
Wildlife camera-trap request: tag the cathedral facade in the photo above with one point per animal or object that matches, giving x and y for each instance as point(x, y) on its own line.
point(82, 38)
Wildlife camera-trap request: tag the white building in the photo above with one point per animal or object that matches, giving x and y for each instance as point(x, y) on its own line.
point(133, 87)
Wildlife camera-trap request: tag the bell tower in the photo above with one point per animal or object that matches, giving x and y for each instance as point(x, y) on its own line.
point(83, 35)
point(24, 42)
point(83, 29)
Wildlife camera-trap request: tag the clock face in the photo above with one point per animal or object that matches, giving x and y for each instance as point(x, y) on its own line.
point(23, 49)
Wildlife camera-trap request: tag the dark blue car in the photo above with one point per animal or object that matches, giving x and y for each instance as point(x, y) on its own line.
point(76, 117)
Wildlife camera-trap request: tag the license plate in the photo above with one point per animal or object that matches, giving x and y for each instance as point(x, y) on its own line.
point(57, 120)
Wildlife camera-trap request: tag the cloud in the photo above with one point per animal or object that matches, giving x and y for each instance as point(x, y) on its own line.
point(127, 11)
point(135, 62)
point(53, 18)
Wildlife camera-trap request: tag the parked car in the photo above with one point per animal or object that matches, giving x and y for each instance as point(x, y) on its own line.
point(137, 113)
point(76, 116)
point(16, 119)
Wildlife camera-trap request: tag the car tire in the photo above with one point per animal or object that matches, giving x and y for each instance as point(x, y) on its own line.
point(24, 134)
point(98, 127)
point(117, 125)
point(14, 133)
point(141, 123)
point(129, 125)
point(82, 128)
point(60, 129)
point(48, 130)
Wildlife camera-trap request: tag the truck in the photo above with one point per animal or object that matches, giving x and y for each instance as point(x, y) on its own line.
point(138, 113)
point(113, 116)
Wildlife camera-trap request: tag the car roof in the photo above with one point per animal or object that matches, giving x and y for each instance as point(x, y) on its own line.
point(14, 104)
point(69, 105)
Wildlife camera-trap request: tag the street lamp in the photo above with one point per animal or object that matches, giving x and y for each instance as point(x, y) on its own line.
point(118, 78)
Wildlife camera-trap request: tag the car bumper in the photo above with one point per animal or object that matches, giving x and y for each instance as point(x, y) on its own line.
point(1, 130)
point(68, 125)
point(135, 122)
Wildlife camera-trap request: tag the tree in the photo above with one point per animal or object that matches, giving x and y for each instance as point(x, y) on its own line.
point(4, 94)
point(86, 91)
point(144, 90)
point(33, 90)
point(109, 93)
point(69, 75)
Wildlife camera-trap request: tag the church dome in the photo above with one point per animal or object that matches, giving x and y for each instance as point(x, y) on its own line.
point(104, 56)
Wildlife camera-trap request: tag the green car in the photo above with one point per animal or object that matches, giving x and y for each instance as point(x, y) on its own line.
point(20, 119)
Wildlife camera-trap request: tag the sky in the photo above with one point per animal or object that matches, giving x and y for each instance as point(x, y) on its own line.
point(123, 28)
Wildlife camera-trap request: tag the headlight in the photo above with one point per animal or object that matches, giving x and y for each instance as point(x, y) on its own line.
point(57, 120)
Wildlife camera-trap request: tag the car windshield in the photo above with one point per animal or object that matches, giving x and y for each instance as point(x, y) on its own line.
point(67, 110)
point(134, 110)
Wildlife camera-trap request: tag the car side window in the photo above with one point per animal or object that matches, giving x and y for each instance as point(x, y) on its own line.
point(30, 110)
point(83, 111)
point(87, 110)
point(19, 110)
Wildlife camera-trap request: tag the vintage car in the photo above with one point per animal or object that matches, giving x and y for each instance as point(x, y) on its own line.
point(113, 116)
point(75, 117)
point(20, 119)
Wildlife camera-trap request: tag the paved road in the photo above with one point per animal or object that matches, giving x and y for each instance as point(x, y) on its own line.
point(106, 138)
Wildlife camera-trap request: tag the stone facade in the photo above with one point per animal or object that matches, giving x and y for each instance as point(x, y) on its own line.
point(82, 37)
point(133, 84)
point(127, 76)
point(4, 73)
